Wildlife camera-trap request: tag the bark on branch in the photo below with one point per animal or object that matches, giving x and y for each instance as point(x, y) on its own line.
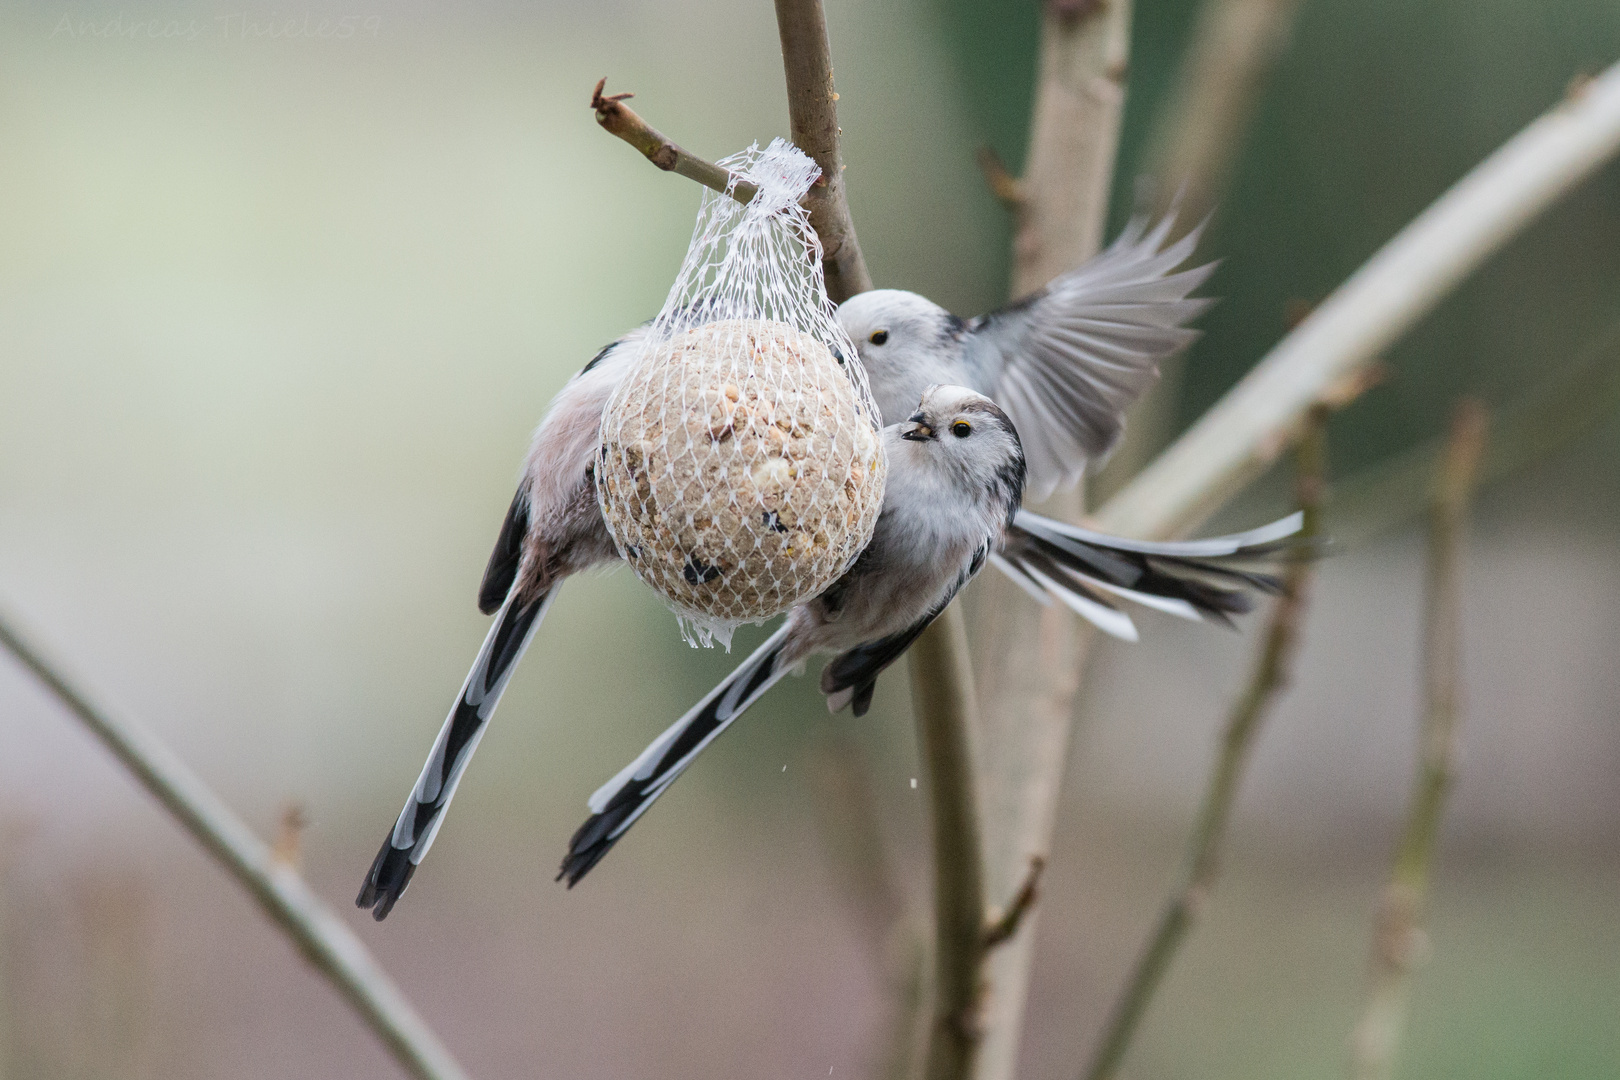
point(943, 702)
point(620, 119)
point(1399, 943)
point(813, 112)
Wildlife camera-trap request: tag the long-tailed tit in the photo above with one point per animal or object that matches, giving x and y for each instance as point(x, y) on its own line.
point(956, 477)
point(552, 530)
point(1063, 364)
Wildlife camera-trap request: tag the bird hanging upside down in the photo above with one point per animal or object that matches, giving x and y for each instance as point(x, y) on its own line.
point(1060, 367)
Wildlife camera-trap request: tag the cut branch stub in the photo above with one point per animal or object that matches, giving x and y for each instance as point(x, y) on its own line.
point(620, 119)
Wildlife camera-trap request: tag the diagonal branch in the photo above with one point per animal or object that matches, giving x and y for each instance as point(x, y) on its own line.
point(1380, 302)
point(324, 939)
point(619, 119)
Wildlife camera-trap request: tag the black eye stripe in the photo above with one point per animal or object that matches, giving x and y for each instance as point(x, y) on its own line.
point(878, 337)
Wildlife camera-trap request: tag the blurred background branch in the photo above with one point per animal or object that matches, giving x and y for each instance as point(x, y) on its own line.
point(1530, 429)
point(943, 702)
point(325, 940)
point(1270, 678)
point(1197, 136)
point(1200, 129)
point(1030, 657)
point(1251, 424)
point(1399, 941)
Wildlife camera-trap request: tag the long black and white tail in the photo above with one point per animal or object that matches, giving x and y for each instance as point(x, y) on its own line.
point(618, 803)
point(419, 822)
point(1087, 571)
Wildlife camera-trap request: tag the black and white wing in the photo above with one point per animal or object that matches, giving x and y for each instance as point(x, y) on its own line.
point(1067, 361)
point(851, 677)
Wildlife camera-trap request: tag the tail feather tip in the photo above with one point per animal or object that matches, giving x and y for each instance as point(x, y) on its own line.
point(385, 884)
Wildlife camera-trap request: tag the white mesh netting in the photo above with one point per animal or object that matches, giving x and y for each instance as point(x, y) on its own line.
point(740, 471)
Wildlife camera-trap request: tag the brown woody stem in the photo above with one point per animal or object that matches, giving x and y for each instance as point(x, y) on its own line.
point(620, 119)
point(813, 112)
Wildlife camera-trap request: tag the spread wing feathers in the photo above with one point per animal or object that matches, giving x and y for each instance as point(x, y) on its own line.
point(1195, 579)
point(419, 822)
point(503, 561)
point(851, 677)
point(1067, 361)
point(618, 803)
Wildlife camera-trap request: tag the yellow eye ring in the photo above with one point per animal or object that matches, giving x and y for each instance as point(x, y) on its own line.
point(961, 429)
point(878, 337)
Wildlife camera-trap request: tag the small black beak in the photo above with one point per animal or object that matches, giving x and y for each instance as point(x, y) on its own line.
point(920, 431)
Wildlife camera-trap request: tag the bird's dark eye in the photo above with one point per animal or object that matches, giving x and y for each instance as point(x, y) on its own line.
point(878, 337)
point(961, 429)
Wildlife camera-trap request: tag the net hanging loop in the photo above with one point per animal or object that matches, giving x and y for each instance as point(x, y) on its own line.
point(740, 470)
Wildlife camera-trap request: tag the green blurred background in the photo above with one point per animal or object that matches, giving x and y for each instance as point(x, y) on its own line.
point(277, 314)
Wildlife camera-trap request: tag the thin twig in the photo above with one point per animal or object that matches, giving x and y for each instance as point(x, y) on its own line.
point(620, 119)
point(1001, 927)
point(1202, 863)
point(1398, 938)
point(325, 940)
point(1007, 188)
point(1394, 490)
point(1237, 438)
point(942, 700)
point(288, 849)
point(813, 112)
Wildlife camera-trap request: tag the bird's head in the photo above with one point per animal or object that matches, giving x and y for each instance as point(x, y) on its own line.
point(896, 330)
point(967, 435)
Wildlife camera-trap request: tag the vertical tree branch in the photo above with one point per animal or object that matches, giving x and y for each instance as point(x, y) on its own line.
point(813, 111)
point(942, 699)
point(941, 674)
point(1031, 656)
point(324, 939)
point(1201, 126)
point(1202, 863)
point(1398, 939)
point(1191, 148)
point(1074, 134)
